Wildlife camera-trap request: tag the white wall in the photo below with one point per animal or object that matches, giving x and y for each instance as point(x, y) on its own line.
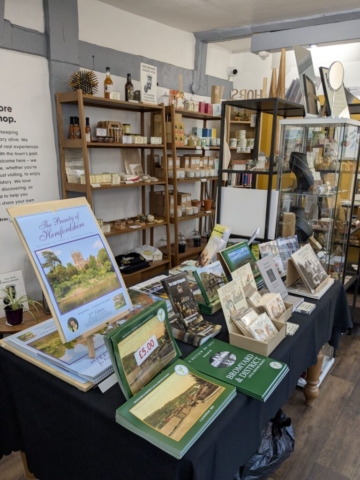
point(253, 69)
point(26, 13)
point(110, 27)
point(217, 61)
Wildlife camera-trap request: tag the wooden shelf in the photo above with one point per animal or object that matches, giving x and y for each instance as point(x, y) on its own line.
point(186, 147)
point(140, 276)
point(129, 185)
point(192, 180)
point(194, 115)
point(78, 144)
point(115, 231)
point(241, 122)
point(201, 214)
point(190, 250)
point(93, 101)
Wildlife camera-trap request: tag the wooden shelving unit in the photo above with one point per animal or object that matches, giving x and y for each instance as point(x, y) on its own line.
point(89, 191)
point(209, 182)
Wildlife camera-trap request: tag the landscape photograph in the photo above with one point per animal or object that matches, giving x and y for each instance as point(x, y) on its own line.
point(139, 375)
point(78, 272)
point(177, 404)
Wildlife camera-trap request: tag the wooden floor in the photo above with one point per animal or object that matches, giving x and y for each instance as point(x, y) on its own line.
point(327, 436)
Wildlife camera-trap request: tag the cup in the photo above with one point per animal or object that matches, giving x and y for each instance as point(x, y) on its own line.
point(207, 204)
point(195, 210)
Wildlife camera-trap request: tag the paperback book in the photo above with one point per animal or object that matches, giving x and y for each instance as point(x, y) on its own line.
point(306, 275)
point(188, 324)
point(232, 298)
point(217, 241)
point(210, 278)
point(252, 374)
point(175, 408)
point(74, 264)
point(237, 256)
point(141, 348)
point(42, 342)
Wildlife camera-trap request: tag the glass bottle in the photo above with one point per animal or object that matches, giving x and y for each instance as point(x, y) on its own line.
point(108, 84)
point(129, 88)
point(195, 238)
point(165, 99)
point(88, 130)
point(71, 135)
point(181, 243)
point(77, 131)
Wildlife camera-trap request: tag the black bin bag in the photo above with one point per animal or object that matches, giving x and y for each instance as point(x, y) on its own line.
point(277, 444)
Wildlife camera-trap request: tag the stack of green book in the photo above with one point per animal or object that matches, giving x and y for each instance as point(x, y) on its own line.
point(210, 278)
point(252, 374)
point(141, 348)
point(175, 408)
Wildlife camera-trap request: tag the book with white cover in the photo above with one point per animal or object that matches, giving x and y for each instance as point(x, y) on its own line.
point(274, 282)
point(304, 265)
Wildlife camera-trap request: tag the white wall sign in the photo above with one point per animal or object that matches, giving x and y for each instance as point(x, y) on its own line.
point(28, 164)
point(148, 80)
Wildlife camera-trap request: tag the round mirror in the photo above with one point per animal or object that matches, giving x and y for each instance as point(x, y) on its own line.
point(335, 76)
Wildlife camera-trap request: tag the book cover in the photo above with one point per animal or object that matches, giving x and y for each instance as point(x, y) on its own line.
point(271, 276)
point(214, 245)
point(246, 277)
point(210, 278)
point(175, 408)
point(238, 255)
point(43, 341)
point(309, 267)
point(141, 348)
point(287, 246)
point(271, 248)
point(74, 264)
point(188, 324)
point(262, 328)
point(232, 299)
point(252, 374)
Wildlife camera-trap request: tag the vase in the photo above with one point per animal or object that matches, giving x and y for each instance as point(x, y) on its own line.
point(14, 317)
point(207, 205)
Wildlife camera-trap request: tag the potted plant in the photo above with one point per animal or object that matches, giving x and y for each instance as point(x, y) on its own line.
point(14, 306)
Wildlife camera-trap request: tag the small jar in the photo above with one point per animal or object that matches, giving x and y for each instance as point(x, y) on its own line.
point(195, 238)
point(127, 129)
point(181, 243)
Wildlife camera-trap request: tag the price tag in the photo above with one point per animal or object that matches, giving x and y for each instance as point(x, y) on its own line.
point(203, 179)
point(146, 350)
point(208, 211)
point(96, 185)
point(129, 181)
point(197, 147)
point(134, 226)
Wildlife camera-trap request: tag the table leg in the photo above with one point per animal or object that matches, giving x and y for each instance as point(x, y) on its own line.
point(28, 474)
point(311, 389)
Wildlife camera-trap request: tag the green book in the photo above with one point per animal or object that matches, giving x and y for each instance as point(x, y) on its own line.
point(175, 408)
point(210, 278)
point(252, 374)
point(141, 348)
point(238, 255)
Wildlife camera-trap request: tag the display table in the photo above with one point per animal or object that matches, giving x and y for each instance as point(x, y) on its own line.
point(67, 434)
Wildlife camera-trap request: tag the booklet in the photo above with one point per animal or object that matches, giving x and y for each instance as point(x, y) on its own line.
point(238, 255)
point(42, 341)
point(210, 278)
point(188, 324)
point(175, 408)
point(74, 264)
point(252, 374)
point(141, 348)
point(232, 298)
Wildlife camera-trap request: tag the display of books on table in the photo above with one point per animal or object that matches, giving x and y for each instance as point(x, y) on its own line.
point(141, 348)
point(175, 408)
point(41, 344)
point(306, 276)
point(188, 324)
point(252, 374)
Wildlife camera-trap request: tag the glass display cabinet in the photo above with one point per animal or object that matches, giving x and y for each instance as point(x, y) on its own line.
point(317, 182)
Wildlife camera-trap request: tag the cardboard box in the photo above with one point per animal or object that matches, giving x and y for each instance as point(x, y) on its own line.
point(206, 132)
point(197, 131)
point(205, 162)
point(239, 340)
point(194, 162)
point(217, 109)
point(208, 108)
point(201, 107)
point(171, 163)
point(287, 314)
point(213, 133)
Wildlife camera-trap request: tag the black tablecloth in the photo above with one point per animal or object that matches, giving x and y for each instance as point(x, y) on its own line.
point(68, 434)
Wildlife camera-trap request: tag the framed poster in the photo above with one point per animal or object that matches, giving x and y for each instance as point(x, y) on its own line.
point(148, 81)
